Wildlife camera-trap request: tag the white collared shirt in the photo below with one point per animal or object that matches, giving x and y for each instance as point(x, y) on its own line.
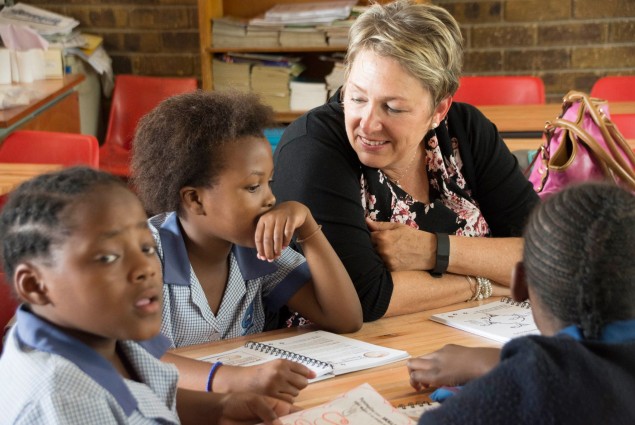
point(49, 377)
point(252, 283)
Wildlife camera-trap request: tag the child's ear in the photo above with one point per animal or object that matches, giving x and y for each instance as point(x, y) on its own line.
point(519, 283)
point(191, 200)
point(29, 284)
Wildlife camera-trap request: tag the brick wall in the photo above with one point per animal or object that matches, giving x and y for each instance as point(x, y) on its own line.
point(569, 43)
point(145, 37)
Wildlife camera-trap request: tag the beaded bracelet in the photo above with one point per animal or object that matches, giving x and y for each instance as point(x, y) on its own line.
point(212, 372)
point(477, 289)
point(486, 287)
point(483, 288)
point(315, 232)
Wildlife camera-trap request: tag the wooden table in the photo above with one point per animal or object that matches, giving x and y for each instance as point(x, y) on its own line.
point(413, 333)
point(523, 119)
point(12, 175)
point(56, 107)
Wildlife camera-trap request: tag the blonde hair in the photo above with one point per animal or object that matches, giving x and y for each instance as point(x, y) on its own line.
point(424, 39)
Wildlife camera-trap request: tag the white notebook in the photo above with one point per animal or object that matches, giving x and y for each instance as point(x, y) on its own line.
point(326, 353)
point(500, 320)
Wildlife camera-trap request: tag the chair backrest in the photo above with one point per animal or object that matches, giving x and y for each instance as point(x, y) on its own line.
point(500, 90)
point(615, 88)
point(48, 147)
point(133, 97)
point(8, 305)
point(625, 124)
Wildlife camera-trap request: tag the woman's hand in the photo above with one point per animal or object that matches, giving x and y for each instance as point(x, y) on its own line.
point(402, 247)
point(282, 379)
point(276, 227)
point(451, 365)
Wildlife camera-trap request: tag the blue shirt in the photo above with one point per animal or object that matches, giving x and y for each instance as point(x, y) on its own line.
point(48, 376)
point(252, 283)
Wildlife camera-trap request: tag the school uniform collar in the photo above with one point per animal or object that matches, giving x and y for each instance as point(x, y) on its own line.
point(613, 333)
point(176, 264)
point(41, 335)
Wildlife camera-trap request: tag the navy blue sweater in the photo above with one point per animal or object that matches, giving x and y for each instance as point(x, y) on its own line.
point(543, 380)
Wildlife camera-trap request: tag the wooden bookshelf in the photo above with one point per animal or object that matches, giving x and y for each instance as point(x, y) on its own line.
point(209, 9)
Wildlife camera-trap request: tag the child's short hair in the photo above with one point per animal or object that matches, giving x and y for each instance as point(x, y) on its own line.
point(32, 220)
point(180, 143)
point(580, 255)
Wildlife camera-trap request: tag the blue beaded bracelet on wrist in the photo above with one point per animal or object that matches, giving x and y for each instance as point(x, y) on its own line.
point(212, 372)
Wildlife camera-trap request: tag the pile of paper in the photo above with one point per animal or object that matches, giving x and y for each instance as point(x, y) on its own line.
point(42, 21)
point(307, 95)
point(306, 13)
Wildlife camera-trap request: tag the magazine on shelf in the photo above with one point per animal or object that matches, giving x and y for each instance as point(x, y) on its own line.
point(326, 353)
point(500, 320)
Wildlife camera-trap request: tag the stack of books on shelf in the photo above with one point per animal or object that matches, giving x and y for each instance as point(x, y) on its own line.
point(272, 84)
point(307, 95)
point(310, 36)
point(304, 24)
point(337, 31)
point(231, 75)
point(230, 31)
point(335, 79)
point(265, 74)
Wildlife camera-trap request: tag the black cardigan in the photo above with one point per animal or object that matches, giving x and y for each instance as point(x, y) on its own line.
point(315, 165)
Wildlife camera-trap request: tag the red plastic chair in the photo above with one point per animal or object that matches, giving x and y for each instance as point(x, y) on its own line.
point(625, 124)
point(133, 97)
point(615, 88)
point(8, 305)
point(500, 90)
point(48, 147)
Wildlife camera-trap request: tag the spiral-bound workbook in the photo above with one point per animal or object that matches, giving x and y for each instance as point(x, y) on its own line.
point(326, 353)
point(362, 405)
point(415, 409)
point(499, 320)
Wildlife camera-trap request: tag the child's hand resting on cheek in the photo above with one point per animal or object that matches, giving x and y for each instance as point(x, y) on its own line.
point(276, 227)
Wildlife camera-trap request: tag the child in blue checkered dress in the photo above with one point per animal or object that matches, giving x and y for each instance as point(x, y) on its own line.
point(202, 164)
point(77, 249)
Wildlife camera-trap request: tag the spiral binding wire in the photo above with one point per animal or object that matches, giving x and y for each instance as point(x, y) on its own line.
point(522, 304)
point(413, 404)
point(289, 355)
point(415, 409)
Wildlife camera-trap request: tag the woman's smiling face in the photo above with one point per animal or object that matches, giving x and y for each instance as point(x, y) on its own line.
point(387, 111)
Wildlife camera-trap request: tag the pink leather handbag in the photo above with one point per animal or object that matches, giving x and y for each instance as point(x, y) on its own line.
point(582, 144)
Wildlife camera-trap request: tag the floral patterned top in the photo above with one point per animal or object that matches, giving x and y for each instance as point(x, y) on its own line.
point(452, 208)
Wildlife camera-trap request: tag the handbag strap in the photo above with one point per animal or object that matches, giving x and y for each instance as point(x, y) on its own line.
point(615, 141)
point(625, 174)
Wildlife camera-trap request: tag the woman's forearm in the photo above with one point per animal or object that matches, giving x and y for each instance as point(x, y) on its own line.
point(493, 258)
point(415, 291)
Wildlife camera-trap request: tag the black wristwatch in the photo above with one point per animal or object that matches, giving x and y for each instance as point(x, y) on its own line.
point(443, 255)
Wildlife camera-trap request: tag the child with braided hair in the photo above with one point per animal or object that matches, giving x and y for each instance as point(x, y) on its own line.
point(77, 248)
point(578, 270)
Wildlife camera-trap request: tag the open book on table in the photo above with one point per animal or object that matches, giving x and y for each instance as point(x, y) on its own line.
point(324, 352)
point(500, 320)
point(362, 405)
